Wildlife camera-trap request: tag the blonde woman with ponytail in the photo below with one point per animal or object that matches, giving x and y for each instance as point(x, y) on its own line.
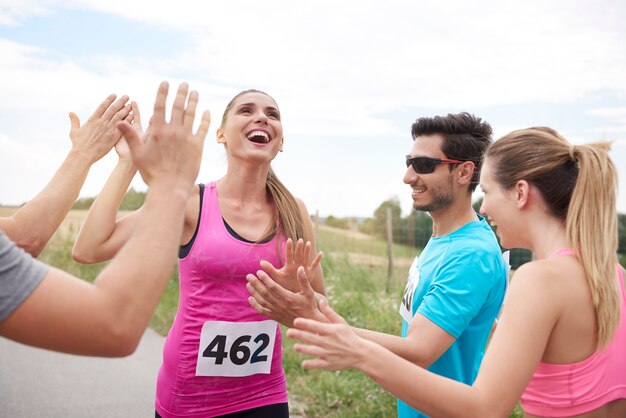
point(560, 346)
point(221, 358)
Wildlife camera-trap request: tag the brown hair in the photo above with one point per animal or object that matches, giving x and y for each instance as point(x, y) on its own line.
point(290, 221)
point(579, 186)
point(465, 138)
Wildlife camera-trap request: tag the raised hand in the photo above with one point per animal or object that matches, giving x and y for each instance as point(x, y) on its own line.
point(334, 344)
point(170, 151)
point(134, 119)
point(294, 258)
point(98, 135)
point(274, 301)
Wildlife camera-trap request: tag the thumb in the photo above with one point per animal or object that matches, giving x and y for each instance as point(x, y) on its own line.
point(131, 136)
point(269, 268)
point(332, 316)
point(74, 120)
point(303, 280)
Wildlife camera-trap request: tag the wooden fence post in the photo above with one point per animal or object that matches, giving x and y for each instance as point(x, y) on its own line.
point(389, 249)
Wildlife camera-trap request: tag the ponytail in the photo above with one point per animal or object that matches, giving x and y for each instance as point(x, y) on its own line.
point(289, 223)
point(591, 228)
point(579, 186)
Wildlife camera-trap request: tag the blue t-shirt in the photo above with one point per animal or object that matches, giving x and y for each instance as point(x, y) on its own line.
point(457, 282)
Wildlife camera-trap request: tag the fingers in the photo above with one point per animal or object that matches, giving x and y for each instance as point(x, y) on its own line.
point(316, 364)
point(303, 280)
point(132, 138)
point(270, 284)
point(116, 109)
point(331, 315)
point(307, 252)
point(312, 328)
point(204, 126)
point(178, 108)
point(269, 268)
point(298, 259)
point(316, 262)
point(190, 111)
point(257, 289)
point(103, 107)
point(258, 308)
point(309, 350)
point(74, 121)
point(289, 252)
point(135, 113)
point(158, 117)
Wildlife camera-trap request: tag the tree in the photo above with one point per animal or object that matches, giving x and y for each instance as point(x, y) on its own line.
point(133, 200)
point(380, 217)
point(337, 222)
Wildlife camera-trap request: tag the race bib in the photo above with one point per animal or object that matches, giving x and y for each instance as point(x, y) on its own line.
point(406, 306)
point(236, 349)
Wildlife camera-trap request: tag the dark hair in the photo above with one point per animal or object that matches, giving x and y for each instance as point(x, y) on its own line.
point(465, 138)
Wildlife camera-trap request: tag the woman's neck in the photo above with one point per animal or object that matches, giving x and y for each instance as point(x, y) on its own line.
point(244, 183)
point(547, 236)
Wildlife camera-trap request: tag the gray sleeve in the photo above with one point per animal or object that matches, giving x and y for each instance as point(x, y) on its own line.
point(20, 274)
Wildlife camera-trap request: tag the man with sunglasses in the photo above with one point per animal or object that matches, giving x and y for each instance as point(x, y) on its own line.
point(456, 285)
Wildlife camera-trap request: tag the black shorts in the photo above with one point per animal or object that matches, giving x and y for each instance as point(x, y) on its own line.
point(279, 410)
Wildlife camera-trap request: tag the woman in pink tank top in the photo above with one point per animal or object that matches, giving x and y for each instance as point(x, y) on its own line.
point(560, 344)
point(222, 358)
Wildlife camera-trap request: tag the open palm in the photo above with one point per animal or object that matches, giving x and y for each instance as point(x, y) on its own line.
point(294, 258)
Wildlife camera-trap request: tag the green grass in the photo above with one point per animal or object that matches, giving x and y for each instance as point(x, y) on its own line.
point(356, 291)
point(332, 241)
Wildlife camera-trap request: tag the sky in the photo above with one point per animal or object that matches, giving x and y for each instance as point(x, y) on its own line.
point(350, 77)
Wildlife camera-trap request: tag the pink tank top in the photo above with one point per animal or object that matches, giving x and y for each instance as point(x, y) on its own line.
point(563, 390)
point(220, 356)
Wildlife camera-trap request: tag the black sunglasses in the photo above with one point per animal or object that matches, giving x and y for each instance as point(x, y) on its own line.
point(426, 165)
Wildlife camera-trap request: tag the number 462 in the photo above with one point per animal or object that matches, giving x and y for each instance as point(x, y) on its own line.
point(239, 352)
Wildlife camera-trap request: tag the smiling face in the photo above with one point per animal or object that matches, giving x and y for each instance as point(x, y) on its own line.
point(499, 206)
point(434, 191)
point(251, 127)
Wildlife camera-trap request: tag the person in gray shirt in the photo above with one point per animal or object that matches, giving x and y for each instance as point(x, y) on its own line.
point(46, 307)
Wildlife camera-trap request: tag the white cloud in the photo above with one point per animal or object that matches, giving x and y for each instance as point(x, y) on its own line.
point(334, 68)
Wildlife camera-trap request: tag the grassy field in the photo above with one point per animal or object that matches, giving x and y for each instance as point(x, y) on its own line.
point(356, 279)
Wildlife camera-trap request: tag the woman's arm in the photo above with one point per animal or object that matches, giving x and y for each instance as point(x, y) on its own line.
point(108, 317)
point(517, 347)
point(90, 142)
point(102, 235)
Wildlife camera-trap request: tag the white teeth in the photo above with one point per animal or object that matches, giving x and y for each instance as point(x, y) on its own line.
point(257, 134)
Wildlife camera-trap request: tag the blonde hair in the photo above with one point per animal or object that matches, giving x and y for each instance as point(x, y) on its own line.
point(579, 186)
point(289, 217)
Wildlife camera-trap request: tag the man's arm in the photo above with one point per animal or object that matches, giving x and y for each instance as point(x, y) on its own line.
point(108, 317)
point(424, 344)
point(90, 142)
point(425, 341)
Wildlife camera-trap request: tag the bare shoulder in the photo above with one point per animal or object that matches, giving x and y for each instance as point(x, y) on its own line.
point(536, 279)
point(533, 293)
point(193, 203)
point(559, 280)
point(301, 206)
point(192, 213)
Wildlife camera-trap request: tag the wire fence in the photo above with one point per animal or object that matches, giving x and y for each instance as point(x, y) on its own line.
point(395, 245)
